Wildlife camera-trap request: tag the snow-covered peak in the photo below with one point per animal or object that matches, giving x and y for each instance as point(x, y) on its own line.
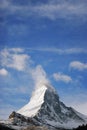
point(37, 99)
point(46, 107)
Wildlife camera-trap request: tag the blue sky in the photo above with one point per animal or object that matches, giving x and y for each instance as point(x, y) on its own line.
point(44, 40)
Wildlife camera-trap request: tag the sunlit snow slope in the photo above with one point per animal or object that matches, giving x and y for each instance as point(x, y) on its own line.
point(35, 103)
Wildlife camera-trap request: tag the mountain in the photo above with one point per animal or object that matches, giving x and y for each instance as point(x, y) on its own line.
point(46, 108)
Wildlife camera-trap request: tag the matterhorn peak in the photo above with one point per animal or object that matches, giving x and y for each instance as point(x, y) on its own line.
point(46, 108)
point(37, 99)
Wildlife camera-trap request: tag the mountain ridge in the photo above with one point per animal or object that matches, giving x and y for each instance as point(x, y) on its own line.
point(45, 110)
point(49, 110)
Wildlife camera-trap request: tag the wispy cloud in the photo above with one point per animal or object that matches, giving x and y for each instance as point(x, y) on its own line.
point(12, 58)
point(16, 50)
point(50, 9)
point(39, 76)
point(3, 72)
point(78, 65)
point(60, 51)
point(66, 10)
point(62, 77)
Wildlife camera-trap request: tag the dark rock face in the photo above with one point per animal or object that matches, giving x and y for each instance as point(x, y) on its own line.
point(50, 107)
point(54, 110)
point(83, 127)
point(3, 127)
point(18, 119)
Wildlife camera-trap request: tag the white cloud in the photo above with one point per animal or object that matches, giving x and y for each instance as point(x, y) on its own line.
point(3, 72)
point(55, 10)
point(16, 50)
point(39, 76)
point(78, 65)
point(14, 59)
point(74, 51)
point(62, 77)
point(51, 9)
point(18, 62)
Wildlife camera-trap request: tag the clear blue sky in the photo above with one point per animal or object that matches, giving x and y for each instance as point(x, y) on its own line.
point(46, 38)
